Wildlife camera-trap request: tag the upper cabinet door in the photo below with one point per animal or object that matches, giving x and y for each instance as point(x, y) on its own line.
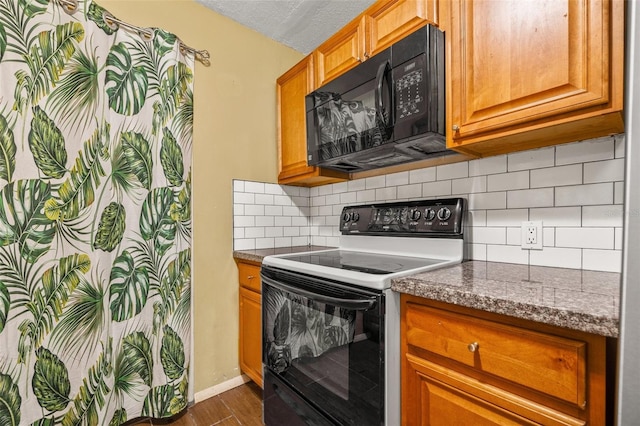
point(341, 52)
point(390, 21)
point(291, 88)
point(516, 67)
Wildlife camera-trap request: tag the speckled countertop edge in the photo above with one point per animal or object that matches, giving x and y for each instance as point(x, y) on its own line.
point(580, 300)
point(259, 254)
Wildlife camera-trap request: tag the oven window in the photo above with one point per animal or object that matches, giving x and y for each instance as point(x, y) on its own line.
point(330, 354)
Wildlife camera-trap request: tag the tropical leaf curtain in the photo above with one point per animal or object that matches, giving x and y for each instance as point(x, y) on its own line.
point(95, 218)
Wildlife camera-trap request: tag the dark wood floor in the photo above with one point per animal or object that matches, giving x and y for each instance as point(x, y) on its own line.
point(239, 406)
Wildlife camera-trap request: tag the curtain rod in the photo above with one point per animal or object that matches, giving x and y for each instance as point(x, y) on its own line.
point(70, 6)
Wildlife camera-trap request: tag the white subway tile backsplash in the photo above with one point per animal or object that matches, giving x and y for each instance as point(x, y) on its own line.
point(620, 145)
point(557, 216)
point(557, 257)
point(282, 221)
point(487, 201)
point(585, 151)
point(436, 189)
point(410, 191)
point(603, 216)
point(493, 235)
point(243, 198)
point(469, 185)
point(584, 195)
point(548, 237)
point(508, 181)
point(604, 171)
point(508, 254)
point(273, 210)
point(268, 198)
point(238, 186)
point(374, 182)
point(264, 220)
point(366, 196)
point(618, 192)
point(596, 238)
point(514, 236)
point(476, 218)
point(619, 239)
point(244, 221)
point(542, 197)
point(255, 187)
point(576, 191)
point(602, 260)
point(511, 217)
point(396, 179)
point(254, 210)
point(556, 176)
point(422, 175)
point(528, 160)
point(275, 231)
point(475, 251)
point(325, 190)
point(386, 194)
point(340, 187)
point(452, 171)
point(255, 232)
point(488, 166)
point(348, 198)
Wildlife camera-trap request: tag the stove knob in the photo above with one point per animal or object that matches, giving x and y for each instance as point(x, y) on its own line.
point(429, 214)
point(444, 213)
point(346, 217)
point(414, 214)
point(355, 216)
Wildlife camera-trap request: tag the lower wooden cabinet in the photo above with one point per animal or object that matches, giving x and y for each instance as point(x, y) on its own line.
point(465, 367)
point(250, 345)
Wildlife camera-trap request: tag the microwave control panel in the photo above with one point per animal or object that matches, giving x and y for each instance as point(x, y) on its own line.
point(410, 88)
point(441, 217)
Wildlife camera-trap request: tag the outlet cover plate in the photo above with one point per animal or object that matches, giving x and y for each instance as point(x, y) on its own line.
point(532, 235)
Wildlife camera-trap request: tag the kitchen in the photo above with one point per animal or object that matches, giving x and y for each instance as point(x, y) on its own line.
point(221, 110)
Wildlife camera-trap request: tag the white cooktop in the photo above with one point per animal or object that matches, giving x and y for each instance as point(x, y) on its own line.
point(373, 261)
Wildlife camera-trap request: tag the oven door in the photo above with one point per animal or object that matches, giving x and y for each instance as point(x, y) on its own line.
point(323, 351)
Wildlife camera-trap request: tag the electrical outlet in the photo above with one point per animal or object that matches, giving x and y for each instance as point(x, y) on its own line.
point(532, 235)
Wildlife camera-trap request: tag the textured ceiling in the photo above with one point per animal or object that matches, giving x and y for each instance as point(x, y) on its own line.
point(299, 24)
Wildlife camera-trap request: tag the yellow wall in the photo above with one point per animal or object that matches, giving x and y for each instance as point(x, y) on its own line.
point(234, 138)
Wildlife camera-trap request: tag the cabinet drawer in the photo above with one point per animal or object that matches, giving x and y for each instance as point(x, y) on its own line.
point(249, 276)
point(550, 364)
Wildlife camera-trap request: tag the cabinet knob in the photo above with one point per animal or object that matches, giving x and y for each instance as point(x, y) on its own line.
point(250, 277)
point(456, 128)
point(473, 346)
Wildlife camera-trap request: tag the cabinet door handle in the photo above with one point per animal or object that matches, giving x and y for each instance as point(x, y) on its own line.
point(473, 346)
point(455, 128)
point(250, 277)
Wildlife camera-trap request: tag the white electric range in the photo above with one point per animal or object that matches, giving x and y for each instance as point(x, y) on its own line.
point(331, 324)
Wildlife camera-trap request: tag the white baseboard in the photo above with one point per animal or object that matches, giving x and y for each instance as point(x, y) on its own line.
point(221, 387)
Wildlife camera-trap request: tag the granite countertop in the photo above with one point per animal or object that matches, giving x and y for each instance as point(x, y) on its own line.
point(259, 254)
point(576, 299)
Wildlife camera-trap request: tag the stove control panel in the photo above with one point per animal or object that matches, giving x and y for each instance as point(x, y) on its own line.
point(439, 217)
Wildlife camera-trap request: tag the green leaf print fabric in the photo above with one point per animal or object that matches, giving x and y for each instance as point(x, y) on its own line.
point(96, 132)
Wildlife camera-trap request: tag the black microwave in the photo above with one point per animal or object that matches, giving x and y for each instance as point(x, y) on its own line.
point(386, 111)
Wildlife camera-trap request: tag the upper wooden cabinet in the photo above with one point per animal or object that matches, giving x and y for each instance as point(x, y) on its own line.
point(525, 74)
point(377, 28)
point(291, 89)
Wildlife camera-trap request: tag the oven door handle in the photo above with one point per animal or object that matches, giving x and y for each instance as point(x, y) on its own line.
point(362, 304)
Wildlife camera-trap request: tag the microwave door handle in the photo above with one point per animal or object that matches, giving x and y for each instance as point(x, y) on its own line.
point(363, 304)
point(383, 71)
